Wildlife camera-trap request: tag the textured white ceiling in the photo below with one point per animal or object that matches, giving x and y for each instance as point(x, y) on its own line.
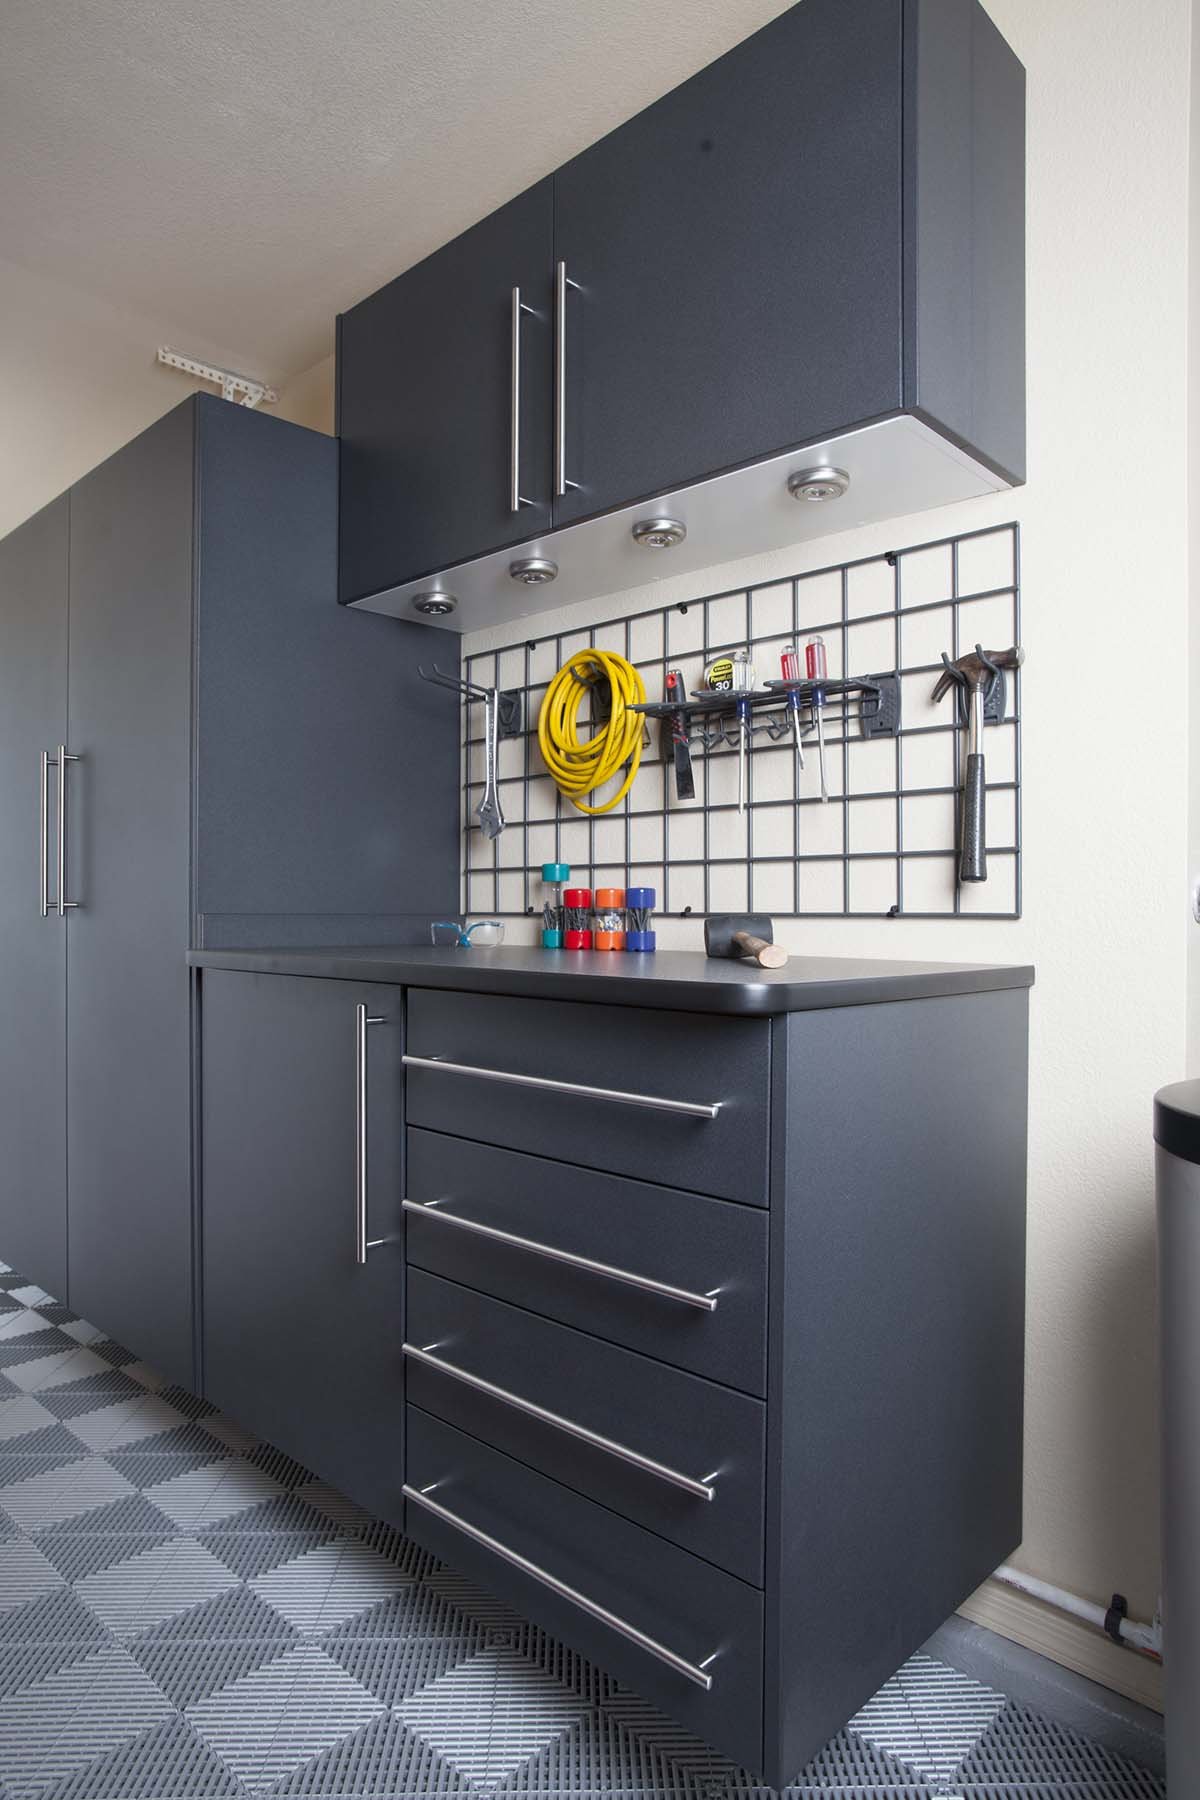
point(242, 169)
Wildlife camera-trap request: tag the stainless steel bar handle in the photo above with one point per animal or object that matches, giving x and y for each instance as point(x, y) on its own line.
point(705, 1302)
point(688, 1109)
point(64, 905)
point(362, 1018)
point(516, 499)
point(562, 282)
point(692, 1671)
point(44, 836)
point(702, 1490)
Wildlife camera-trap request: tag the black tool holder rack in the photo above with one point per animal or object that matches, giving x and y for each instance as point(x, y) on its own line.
point(874, 699)
point(503, 879)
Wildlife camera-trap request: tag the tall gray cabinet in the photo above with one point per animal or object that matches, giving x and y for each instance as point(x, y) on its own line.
point(238, 769)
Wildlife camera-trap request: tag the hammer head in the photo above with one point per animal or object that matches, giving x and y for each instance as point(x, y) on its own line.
point(975, 670)
point(720, 927)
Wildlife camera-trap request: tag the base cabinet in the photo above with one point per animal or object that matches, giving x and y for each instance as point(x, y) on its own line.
point(521, 1374)
point(303, 1319)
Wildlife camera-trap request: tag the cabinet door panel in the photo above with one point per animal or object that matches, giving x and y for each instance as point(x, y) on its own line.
point(33, 712)
point(738, 253)
point(301, 1342)
point(424, 403)
point(128, 850)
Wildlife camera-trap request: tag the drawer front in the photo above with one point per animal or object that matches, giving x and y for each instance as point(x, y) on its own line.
point(680, 1278)
point(681, 1456)
point(710, 1622)
point(659, 1075)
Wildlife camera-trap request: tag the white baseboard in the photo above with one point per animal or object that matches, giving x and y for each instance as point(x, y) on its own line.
point(1067, 1641)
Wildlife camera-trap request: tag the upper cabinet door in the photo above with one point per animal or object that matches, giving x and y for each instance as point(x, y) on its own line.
point(737, 250)
point(444, 414)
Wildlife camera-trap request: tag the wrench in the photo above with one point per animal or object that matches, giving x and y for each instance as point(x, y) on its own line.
point(488, 812)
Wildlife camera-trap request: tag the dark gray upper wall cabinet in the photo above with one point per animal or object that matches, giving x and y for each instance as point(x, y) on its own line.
point(737, 247)
point(815, 239)
point(427, 385)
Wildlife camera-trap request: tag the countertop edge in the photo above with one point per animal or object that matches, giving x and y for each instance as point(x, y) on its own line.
point(747, 998)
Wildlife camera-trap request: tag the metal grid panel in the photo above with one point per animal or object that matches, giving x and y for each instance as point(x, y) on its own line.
point(884, 845)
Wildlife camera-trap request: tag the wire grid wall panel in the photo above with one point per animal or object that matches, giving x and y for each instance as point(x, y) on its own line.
point(885, 844)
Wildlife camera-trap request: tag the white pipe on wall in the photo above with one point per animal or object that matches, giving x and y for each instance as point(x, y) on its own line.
point(1147, 1638)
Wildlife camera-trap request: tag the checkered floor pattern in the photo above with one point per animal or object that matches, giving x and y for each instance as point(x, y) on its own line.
point(186, 1614)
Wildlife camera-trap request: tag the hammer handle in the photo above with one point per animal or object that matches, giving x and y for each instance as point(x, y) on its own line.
point(973, 863)
point(760, 950)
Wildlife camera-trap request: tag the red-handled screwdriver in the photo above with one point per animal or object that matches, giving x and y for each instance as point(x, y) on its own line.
point(789, 662)
point(818, 672)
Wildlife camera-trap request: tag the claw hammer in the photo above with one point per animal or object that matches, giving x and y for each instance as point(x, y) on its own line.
point(975, 671)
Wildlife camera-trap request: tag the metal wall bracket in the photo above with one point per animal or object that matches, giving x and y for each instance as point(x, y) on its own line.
point(242, 390)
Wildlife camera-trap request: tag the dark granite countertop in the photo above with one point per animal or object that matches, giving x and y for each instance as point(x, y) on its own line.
point(677, 980)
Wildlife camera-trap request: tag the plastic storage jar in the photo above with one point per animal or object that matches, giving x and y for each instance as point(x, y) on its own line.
point(639, 905)
point(554, 875)
point(577, 918)
point(608, 919)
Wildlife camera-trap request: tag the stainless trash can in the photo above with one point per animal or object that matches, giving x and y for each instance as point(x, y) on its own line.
point(1177, 1137)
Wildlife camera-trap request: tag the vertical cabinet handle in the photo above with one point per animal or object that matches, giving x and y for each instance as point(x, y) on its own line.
point(562, 282)
point(44, 836)
point(362, 1018)
point(516, 499)
point(64, 905)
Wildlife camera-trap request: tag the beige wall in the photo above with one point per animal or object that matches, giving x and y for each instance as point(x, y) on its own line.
point(83, 378)
point(1105, 551)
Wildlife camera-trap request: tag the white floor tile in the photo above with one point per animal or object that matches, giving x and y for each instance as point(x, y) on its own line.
point(24, 1574)
point(282, 1715)
point(328, 1585)
point(56, 1370)
point(83, 1333)
point(30, 1295)
point(63, 1493)
point(20, 1324)
point(23, 1414)
point(68, 1719)
point(491, 1714)
point(201, 1497)
point(125, 1422)
point(131, 1596)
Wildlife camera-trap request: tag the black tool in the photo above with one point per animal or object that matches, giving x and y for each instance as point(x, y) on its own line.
point(685, 780)
point(743, 935)
point(976, 672)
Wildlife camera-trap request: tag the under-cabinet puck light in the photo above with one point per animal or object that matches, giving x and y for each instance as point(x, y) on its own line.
point(659, 534)
point(822, 482)
point(533, 571)
point(434, 605)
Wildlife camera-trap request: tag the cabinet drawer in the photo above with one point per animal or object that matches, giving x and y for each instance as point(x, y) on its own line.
point(686, 1635)
point(679, 1455)
point(670, 1097)
point(680, 1278)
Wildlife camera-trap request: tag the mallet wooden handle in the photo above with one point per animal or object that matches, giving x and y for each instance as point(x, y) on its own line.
point(767, 956)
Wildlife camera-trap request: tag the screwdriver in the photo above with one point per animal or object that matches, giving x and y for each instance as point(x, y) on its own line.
point(789, 662)
point(743, 681)
point(818, 672)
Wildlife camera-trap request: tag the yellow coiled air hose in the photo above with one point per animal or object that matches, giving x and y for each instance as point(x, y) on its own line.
point(579, 766)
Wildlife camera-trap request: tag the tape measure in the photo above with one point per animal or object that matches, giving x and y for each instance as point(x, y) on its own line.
point(719, 675)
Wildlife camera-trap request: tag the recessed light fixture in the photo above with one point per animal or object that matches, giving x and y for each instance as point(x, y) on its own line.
point(533, 571)
point(821, 482)
point(659, 534)
point(434, 605)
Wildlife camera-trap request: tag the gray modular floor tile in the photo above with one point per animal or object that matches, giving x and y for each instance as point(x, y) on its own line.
point(187, 1613)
